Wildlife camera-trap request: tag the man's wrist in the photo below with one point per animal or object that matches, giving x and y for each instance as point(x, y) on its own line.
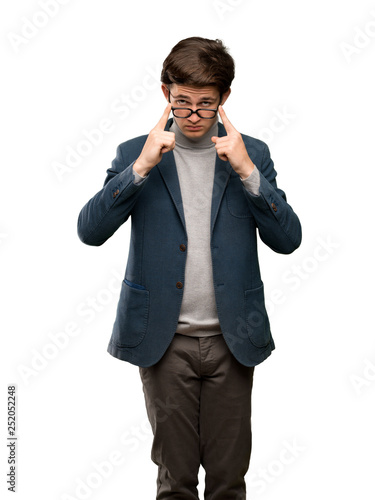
point(140, 169)
point(246, 170)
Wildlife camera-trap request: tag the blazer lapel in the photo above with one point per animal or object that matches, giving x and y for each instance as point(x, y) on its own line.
point(222, 174)
point(168, 170)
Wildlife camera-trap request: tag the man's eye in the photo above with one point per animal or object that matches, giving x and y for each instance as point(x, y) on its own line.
point(206, 104)
point(181, 102)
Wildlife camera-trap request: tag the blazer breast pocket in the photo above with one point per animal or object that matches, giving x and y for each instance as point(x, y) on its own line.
point(237, 204)
point(132, 315)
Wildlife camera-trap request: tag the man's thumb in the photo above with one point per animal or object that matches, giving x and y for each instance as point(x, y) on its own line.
point(214, 139)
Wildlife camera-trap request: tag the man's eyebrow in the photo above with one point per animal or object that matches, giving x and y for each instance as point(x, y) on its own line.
point(181, 96)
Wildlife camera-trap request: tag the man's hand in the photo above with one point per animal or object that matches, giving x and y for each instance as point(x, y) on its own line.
point(158, 142)
point(231, 147)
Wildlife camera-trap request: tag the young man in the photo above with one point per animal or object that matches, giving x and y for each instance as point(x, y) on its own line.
point(191, 311)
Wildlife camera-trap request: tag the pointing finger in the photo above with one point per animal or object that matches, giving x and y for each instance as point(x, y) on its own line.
point(227, 124)
point(163, 120)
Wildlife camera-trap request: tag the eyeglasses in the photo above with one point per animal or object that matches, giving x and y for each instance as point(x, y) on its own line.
point(204, 113)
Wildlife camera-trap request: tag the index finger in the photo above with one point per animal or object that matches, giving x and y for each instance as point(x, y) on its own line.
point(227, 124)
point(163, 120)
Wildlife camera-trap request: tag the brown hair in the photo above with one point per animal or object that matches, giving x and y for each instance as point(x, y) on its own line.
point(199, 62)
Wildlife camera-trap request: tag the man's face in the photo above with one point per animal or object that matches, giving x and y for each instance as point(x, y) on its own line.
point(182, 96)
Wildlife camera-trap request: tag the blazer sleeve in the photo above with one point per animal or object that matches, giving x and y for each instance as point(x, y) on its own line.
point(105, 212)
point(279, 227)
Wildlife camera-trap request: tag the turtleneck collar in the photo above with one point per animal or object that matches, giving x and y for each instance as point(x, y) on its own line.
point(203, 142)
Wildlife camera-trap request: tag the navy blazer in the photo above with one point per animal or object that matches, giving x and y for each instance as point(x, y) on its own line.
point(152, 289)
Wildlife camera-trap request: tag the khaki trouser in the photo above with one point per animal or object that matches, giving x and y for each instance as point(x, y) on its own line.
point(198, 401)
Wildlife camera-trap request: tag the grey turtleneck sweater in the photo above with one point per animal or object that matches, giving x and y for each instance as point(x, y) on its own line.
point(195, 163)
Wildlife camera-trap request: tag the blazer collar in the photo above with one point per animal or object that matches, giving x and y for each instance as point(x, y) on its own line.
point(168, 170)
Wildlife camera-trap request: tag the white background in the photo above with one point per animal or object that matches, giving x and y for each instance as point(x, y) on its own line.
point(78, 407)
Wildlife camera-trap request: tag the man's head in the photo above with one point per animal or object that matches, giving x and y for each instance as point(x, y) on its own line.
point(197, 74)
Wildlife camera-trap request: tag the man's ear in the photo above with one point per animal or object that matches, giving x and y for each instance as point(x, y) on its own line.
point(165, 91)
point(225, 96)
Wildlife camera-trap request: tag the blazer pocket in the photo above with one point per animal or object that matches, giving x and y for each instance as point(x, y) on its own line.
point(132, 315)
point(257, 322)
point(237, 204)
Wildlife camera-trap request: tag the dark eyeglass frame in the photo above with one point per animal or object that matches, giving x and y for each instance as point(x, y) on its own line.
point(196, 111)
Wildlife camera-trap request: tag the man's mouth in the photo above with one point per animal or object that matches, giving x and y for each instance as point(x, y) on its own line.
point(190, 127)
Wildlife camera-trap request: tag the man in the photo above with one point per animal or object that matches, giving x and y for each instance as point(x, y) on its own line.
point(191, 311)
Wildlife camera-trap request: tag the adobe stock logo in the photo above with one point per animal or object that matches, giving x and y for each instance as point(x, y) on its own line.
point(278, 123)
point(3, 237)
point(362, 38)
point(264, 476)
point(223, 7)
point(365, 379)
point(90, 139)
point(294, 277)
point(132, 440)
point(31, 27)
point(102, 469)
point(41, 357)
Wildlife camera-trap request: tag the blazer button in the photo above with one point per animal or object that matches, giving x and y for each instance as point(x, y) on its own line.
point(179, 284)
point(116, 193)
point(274, 207)
point(182, 247)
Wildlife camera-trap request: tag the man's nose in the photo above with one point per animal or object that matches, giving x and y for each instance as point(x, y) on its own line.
point(194, 118)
